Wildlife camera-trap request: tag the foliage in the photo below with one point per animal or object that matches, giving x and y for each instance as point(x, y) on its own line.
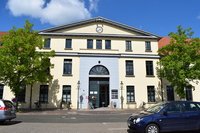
point(180, 60)
point(21, 60)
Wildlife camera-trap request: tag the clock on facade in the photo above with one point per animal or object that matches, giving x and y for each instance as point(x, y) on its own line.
point(99, 29)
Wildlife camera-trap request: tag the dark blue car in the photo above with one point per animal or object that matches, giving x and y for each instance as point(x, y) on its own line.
point(167, 117)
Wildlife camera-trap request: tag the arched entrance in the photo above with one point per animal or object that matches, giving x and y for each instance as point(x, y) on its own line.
point(99, 86)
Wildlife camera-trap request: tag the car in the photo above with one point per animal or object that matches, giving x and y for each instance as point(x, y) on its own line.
point(7, 110)
point(167, 117)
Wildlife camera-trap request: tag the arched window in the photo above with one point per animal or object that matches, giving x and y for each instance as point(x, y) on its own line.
point(99, 70)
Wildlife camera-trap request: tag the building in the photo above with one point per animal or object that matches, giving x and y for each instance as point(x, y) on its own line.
point(192, 92)
point(98, 63)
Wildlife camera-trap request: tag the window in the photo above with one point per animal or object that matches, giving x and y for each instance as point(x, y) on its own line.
point(173, 108)
point(129, 68)
point(90, 44)
point(130, 94)
point(148, 46)
point(1, 91)
point(151, 93)
point(149, 68)
point(99, 70)
point(1, 43)
point(67, 67)
point(46, 62)
point(68, 43)
point(98, 44)
point(191, 106)
point(107, 44)
point(22, 94)
point(114, 94)
point(66, 93)
point(128, 46)
point(44, 93)
point(188, 92)
point(47, 43)
point(170, 93)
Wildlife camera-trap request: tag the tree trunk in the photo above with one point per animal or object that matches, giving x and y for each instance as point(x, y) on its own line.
point(30, 105)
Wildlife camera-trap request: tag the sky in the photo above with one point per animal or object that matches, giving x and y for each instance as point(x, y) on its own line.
point(159, 17)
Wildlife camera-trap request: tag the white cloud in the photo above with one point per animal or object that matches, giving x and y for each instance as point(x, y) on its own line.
point(93, 5)
point(55, 12)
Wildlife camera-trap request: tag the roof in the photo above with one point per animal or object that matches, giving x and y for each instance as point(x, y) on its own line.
point(99, 19)
point(163, 42)
point(2, 33)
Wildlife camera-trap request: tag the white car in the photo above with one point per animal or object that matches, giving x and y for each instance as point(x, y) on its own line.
point(7, 110)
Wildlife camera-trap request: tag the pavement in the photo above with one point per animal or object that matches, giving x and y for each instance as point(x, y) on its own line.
point(80, 111)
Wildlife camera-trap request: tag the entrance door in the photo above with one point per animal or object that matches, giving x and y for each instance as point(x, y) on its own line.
point(104, 95)
point(99, 92)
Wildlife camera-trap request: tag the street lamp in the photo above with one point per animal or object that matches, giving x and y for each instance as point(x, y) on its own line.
point(122, 98)
point(78, 87)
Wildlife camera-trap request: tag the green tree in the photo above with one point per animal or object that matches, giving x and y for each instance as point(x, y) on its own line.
point(21, 59)
point(180, 60)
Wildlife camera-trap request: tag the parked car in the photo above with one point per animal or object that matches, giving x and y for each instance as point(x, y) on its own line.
point(167, 117)
point(7, 110)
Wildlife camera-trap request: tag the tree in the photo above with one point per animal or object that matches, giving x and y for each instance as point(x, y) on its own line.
point(180, 60)
point(22, 61)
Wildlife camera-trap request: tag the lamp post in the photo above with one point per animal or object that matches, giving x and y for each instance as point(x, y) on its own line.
point(122, 98)
point(78, 88)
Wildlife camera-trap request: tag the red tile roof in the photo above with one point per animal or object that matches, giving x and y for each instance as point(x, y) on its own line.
point(2, 33)
point(163, 42)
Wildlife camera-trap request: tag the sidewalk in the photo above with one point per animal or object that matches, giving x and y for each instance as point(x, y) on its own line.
point(80, 111)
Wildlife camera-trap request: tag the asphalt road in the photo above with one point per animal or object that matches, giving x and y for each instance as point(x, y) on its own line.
point(73, 118)
point(67, 123)
point(84, 122)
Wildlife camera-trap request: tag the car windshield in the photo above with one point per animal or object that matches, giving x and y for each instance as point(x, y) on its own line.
point(156, 108)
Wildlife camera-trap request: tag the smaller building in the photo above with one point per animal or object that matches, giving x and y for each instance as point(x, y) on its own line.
point(192, 92)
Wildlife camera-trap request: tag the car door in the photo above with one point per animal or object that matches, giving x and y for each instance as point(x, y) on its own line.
point(192, 115)
point(172, 118)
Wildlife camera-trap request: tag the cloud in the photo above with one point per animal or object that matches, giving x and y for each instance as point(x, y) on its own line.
point(93, 5)
point(55, 12)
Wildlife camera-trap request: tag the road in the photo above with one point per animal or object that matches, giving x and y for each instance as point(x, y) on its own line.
point(71, 122)
point(94, 122)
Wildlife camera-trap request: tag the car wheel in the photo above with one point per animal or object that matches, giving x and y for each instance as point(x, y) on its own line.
point(152, 128)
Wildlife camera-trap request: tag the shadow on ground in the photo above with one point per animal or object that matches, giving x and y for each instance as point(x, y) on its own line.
point(9, 123)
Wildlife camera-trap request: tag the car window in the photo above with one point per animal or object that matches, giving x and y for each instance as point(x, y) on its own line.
point(198, 105)
point(191, 107)
point(156, 108)
point(173, 108)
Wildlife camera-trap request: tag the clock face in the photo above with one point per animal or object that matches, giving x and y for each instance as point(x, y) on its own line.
point(99, 29)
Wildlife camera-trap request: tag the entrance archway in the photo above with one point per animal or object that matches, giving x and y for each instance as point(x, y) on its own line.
point(99, 86)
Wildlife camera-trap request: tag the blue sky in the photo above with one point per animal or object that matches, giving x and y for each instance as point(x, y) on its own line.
point(156, 16)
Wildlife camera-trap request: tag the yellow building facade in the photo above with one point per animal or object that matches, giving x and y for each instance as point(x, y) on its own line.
point(99, 63)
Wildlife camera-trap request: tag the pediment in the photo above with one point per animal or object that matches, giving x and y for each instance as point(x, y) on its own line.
point(97, 26)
